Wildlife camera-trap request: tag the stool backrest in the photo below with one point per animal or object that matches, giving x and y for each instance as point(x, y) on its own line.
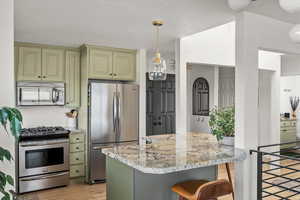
point(214, 189)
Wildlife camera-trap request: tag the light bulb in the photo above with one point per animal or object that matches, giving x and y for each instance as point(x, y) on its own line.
point(238, 4)
point(295, 33)
point(290, 6)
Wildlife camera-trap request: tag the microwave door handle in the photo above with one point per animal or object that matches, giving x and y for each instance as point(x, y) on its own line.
point(55, 96)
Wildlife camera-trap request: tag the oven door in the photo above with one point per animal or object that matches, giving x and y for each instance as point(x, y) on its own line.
point(41, 157)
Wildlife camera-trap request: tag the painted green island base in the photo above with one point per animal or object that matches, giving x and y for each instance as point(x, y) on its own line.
point(127, 183)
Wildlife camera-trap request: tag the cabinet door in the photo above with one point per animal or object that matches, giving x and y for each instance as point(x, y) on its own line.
point(72, 79)
point(100, 65)
point(124, 66)
point(29, 64)
point(53, 68)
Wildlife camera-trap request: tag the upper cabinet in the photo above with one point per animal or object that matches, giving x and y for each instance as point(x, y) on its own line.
point(72, 79)
point(124, 67)
point(101, 63)
point(109, 63)
point(53, 65)
point(40, 64)
point(29, 65)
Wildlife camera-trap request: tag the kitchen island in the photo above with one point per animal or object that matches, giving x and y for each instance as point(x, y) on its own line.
point(148, 171)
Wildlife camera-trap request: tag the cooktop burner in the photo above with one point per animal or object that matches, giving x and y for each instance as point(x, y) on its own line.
point(43, 133)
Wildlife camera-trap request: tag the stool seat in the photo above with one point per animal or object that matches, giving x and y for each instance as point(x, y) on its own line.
point(202, 189)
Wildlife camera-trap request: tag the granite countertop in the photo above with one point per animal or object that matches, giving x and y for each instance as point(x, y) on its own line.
point(173, 153)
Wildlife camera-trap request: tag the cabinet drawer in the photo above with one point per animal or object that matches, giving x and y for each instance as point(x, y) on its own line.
point(76, 171)
point(76, 138)
point(76, 158)
point(76, 147)
point(288, 123)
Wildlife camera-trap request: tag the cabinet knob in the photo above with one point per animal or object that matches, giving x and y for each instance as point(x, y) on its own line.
point(77, 158)
point(77, 148)
point(44, 76)
point(39, 76)
point(115, 74)
point(111, 74)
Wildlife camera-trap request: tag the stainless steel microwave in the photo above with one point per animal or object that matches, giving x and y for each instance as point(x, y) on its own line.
point(40, 94)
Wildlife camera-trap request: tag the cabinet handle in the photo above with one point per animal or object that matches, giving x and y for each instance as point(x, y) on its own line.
point(77, 139)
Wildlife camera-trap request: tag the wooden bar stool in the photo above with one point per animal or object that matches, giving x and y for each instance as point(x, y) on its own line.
point(204, 190)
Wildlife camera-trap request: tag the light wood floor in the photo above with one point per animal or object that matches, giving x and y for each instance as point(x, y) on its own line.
point(77, 190)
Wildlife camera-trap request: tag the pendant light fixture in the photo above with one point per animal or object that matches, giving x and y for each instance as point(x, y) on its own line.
point(159, 67)
point(238, 4)
point(290, 6)
point(295, 33)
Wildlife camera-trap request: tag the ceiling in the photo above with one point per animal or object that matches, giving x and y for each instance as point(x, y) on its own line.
point(120, 23)
point(272, 9)
point(124, 23)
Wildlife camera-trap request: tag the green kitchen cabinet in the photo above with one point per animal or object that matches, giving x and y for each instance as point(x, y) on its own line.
point(106, 63)
point(100, 66)
point(73, 79)
point(124, 67)
point(53, 65)
point(29, 67)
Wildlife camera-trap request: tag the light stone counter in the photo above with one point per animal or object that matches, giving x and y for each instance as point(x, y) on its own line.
point(175, 153)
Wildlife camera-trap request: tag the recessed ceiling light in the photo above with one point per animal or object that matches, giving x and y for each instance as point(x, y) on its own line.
point(238, 4)
point(290, 6)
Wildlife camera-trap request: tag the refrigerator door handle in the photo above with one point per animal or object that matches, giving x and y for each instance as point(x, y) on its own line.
point(118, 112)
point(114, 111)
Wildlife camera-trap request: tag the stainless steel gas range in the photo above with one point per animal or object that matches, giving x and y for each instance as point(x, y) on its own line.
point(43, 157)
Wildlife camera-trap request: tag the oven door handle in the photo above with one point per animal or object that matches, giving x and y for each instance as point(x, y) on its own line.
point(44, 144)
point(44, 177)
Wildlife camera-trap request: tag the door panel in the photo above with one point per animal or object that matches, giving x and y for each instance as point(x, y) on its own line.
point(72, 79)
point(102, 112)
point(124, 66)
point(29, 64)
point(53, 67)
point(97, 165)
point(100, 66)
point(161, 106)
point(128, 95)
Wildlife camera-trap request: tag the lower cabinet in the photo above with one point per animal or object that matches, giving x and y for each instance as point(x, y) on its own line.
point(77, 155)
point(288, 133)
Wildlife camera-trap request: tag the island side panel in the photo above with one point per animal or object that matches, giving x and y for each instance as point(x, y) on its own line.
point(120, 180)
point(158, 187)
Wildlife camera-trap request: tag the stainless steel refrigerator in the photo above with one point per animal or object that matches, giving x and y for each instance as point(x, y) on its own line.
point(113, 118)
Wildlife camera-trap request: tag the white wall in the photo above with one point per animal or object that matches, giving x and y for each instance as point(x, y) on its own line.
point(264, 106)
point(290, 65)
point(254, 32)
point(44, 116)
point(200, 123)
point(213, 46)
point(7, 74)
point(289, 86)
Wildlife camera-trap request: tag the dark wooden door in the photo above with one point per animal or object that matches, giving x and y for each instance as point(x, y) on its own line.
point(161, 106)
